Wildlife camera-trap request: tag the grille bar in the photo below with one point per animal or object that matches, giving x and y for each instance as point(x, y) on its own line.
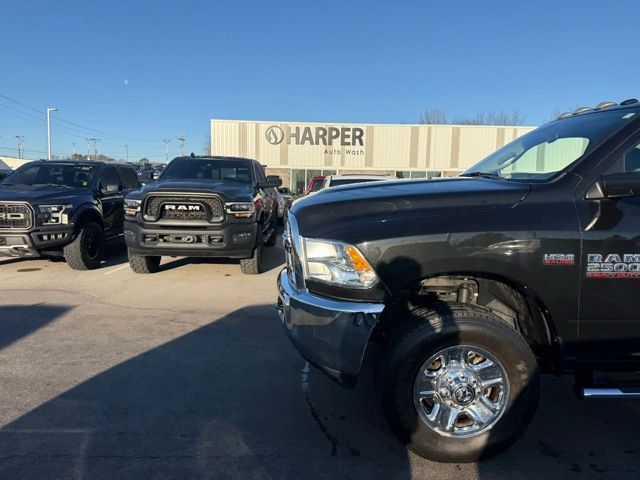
point(15, 216)
point(178, 207)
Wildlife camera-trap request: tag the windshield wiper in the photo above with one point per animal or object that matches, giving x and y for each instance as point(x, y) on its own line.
point(60, 185)
point(493, 176)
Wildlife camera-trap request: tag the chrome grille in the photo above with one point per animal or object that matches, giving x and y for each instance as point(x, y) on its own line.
point(15, 215)
point(212, 208)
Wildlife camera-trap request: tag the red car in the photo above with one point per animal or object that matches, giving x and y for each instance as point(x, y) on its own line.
point(314, 185)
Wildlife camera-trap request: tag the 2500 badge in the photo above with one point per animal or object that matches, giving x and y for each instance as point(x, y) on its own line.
point(613, 265)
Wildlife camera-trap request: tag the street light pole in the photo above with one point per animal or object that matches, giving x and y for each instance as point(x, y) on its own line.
point(49, 110)
point(126, 147)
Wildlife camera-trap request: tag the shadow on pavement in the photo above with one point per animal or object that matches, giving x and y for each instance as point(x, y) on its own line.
point(228, 400)
point(18, 321)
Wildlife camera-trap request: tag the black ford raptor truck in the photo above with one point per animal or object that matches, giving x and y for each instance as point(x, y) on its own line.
point(64, 208)
point(203, 207)
point(528, 263)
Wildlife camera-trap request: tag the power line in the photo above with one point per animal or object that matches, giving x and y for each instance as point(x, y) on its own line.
point(68, 122)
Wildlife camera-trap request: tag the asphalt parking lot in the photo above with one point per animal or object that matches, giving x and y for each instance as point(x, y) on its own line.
point(188, 374)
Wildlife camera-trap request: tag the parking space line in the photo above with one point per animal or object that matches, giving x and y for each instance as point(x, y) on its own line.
point(117, 269)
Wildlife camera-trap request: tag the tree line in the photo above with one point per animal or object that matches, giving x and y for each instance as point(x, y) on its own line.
point(437, 116)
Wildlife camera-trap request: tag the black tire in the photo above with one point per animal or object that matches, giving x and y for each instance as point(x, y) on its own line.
point(144, 264)
point(426, 332)
point(253, 264)
point(86, 251)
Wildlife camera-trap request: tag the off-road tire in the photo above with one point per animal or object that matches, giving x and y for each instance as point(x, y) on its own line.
point(253, 264)
point(144, 264)
point(86, 250)
point(426, 332)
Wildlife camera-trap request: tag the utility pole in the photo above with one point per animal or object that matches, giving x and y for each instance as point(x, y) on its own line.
point(49, 110)
point(74, 148)
point(126, 147)
point(95, 148)
point(166, 150)
point(181, 139)
point(20, 145)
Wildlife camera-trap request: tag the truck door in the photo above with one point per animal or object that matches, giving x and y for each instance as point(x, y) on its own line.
point(609, 316)
point(112, 202)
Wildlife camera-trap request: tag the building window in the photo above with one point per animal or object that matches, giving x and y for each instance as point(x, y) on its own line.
point(298, 181)
point(405, 174)
point(300, 178)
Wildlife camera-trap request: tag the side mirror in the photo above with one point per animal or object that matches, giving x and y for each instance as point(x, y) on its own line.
point(110, 188)
point(615, 185)
point(273, 181)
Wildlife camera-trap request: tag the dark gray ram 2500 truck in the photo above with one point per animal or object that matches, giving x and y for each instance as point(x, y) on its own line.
point(527, 263)
point(203, 207)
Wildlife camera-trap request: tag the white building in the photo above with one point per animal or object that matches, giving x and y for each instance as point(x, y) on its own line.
point(299, 151)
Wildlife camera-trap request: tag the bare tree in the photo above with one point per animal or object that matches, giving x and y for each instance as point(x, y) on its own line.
point(494, 117)
point(436, 116)
point(433, 116)
point(206, 147)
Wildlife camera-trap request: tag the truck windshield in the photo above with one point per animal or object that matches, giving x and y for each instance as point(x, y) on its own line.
point(198, 169)
point(55, 174)
point(551, 148)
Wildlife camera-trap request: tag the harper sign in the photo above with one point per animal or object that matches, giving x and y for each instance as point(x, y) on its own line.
point(339, 136)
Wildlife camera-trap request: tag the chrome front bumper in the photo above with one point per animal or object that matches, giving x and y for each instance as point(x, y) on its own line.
point(331, 334)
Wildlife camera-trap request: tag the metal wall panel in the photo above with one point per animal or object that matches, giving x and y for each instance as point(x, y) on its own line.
point(386, 147)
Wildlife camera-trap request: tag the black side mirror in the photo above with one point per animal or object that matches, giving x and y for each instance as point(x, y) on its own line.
point(273, 181)
point(110, 188)
point(616, 185)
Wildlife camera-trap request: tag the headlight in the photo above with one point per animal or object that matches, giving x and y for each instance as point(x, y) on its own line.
point(54, 214)
point(132, 207)
point(337, 263)
point(240, 209)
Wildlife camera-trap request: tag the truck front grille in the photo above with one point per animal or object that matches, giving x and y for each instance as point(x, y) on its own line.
point(15, 215)
point(179, 207)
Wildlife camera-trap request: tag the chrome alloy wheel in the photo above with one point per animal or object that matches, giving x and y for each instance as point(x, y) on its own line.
point(461, 391)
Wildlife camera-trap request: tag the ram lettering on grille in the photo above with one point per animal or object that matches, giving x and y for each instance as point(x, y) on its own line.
point(184, 208)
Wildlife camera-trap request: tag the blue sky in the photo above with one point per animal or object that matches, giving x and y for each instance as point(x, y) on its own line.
point(143, 71)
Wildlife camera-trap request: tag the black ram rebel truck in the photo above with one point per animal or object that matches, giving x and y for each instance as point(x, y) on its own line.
point(203, 207)
point(64, 208)
point(528, 263)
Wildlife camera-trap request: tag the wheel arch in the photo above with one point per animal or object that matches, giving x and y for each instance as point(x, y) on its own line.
point(86, 214)
point(512, 301)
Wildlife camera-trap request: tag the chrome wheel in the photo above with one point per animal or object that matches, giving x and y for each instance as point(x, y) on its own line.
point(461, 391)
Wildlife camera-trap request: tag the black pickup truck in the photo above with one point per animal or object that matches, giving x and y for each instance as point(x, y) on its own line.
point(527, 263)
point(203, 207)
point(64, 208)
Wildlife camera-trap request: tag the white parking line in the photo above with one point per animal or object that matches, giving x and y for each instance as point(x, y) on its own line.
point(126, 265)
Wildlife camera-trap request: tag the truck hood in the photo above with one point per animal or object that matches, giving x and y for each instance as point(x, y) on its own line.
point(226, 189)
point(331, 210)
point(40, 194)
